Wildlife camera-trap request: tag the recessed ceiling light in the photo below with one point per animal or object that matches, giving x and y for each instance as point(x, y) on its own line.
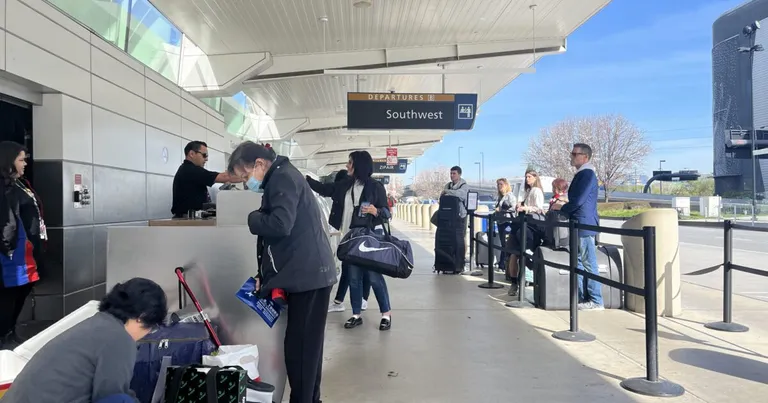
point(362, 3)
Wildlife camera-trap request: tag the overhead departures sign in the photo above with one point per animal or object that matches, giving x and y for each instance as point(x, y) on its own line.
point(380, 166)
point(388, 111)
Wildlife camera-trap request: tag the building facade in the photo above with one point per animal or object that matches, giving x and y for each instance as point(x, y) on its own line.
point(740, 99)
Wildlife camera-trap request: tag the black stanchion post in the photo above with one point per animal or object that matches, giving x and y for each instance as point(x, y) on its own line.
point(490, 284)
point(651, 385)
point(727, 325)
point(471, 215)
point(521, 261)
point(574, 334)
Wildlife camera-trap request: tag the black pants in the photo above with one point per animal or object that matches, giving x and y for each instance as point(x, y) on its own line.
point(12, 302)
point(304, 338)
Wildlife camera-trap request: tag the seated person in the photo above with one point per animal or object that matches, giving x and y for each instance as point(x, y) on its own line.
point(93, 360)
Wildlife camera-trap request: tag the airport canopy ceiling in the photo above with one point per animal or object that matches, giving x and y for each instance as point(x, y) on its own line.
point(300, 58)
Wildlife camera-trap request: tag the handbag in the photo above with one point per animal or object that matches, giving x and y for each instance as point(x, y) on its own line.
point(192, 384)
point(383, 254)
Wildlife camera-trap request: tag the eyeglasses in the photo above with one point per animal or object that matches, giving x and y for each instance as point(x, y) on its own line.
point(577, 154)
point(205, 155)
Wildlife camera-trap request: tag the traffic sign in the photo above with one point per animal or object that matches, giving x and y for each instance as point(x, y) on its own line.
point(391, 156)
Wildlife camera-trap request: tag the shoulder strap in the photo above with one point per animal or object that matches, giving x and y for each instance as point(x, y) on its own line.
point(210, 385)
point(175, 386)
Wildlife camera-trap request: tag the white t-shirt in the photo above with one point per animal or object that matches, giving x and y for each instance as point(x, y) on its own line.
point(349, 206)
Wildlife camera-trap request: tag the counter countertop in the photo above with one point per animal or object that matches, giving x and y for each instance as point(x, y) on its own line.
point(183, 222)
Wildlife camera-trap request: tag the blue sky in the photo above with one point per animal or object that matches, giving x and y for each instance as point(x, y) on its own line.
point(649, 60)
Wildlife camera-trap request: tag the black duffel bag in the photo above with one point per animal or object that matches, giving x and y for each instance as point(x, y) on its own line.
point(383, 254)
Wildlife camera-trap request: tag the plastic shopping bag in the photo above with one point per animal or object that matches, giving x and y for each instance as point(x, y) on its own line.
point(245, 356)
point(268, 309)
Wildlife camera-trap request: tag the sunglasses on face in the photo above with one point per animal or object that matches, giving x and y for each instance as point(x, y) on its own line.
point(575, 154)
point(205, 155)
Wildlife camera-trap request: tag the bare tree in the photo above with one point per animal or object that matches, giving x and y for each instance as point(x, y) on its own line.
point(430, 183)
point(619, 147)
point(395, 187)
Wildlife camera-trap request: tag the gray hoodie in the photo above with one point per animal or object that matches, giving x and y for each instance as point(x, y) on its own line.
point(460, 190)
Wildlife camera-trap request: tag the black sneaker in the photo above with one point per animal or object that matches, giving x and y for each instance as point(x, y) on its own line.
point(353, 322)
point(385, 324)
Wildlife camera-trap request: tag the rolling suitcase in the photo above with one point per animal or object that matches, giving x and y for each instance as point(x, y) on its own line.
point(551, 289)
point(481, 251)
point(449, 237)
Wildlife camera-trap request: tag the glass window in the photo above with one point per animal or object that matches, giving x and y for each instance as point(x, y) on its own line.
point(214, 103)
point(153, 40)
point(106, 18)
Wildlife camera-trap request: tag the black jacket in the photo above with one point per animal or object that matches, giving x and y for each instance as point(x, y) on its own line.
point(296, 254)
point(373, 192)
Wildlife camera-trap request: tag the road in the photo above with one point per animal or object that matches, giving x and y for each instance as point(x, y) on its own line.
point(703, 247)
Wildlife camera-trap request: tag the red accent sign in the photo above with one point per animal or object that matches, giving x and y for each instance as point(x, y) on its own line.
point(78, 179)
point(391, 156)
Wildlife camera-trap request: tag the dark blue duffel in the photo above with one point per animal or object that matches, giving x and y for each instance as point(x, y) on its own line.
point(185, 343)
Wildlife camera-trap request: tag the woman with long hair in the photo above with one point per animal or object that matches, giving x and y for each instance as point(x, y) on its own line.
point(22, 240)
point(329, 190)
point(533, 202)
point(362, 203)
point(505, 201)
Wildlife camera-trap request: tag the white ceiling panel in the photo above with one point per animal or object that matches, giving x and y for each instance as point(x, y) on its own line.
point(306, 37)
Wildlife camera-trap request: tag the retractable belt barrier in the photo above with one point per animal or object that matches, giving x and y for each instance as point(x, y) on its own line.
point(650, 385)
point(727, 325)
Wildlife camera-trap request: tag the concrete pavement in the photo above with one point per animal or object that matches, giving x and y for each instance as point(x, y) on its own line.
point(712, 366)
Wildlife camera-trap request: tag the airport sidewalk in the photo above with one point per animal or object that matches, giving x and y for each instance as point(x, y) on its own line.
point(713, 366)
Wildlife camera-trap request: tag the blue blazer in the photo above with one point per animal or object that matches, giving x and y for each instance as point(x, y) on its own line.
point(582, 200)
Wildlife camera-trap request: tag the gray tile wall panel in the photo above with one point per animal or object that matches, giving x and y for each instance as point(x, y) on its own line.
point(49, 307)
point(48, 185)
point(78, 299)
point(52, 269)
point(159, 196)
point(119, 195)
point(78, 258)
point(71, 215)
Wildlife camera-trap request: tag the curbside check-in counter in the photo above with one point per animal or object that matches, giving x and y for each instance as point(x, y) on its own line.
point(218, 256)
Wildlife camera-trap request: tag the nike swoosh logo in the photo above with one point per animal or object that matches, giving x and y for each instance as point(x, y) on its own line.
point(364, 248)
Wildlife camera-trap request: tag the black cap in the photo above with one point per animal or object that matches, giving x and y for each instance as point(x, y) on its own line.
point(247, 153)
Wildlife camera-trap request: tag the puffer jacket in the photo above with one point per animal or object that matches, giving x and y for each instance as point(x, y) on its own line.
point(295, 254)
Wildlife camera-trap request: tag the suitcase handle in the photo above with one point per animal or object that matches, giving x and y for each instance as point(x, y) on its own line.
point(183, 283)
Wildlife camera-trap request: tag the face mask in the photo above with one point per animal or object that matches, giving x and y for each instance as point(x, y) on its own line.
point(253, 184)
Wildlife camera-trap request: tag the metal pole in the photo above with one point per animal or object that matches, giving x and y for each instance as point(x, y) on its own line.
point(490, 284)
point(573, 255)
point(651, 316)
point(727, 274)
point(522, 258)
point(651, 385)
point(460, 156)
point(727, 324)
point(482, 164)
point(471, 236)
point(574, 334)
point(754, 169)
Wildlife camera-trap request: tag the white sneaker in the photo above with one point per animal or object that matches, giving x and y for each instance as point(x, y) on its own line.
point(590, 306)
point(365, 305)
point(334, 307)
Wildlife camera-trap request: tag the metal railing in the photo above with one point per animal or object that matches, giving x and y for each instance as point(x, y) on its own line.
point(727, 324)
point(651, 384)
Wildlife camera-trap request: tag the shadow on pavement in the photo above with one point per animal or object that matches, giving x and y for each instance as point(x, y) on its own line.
point(727, 364)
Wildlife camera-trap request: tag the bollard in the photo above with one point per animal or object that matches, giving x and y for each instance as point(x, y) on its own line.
point(419, 217)
point(727, 325)
point(432, 211)
point(490, 284)
point(471, 215)
point(426, 218)
point(573, 334)
point(651, 385)
point(410, 214)
point(522, 259)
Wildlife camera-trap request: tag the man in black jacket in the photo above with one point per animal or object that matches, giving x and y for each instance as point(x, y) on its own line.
point(297, 258)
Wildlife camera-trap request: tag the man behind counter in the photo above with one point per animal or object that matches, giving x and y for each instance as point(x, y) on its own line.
point(191, 183)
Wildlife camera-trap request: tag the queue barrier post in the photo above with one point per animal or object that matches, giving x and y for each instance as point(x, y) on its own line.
point(727, 324)
point(521, 265)
point(490, 284)
point(574, 334)
point(651, 385)
point(471, 215)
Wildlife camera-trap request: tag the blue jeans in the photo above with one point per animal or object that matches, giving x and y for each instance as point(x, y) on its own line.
point(341, 291)
point(588, 263)
point(356, 274)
